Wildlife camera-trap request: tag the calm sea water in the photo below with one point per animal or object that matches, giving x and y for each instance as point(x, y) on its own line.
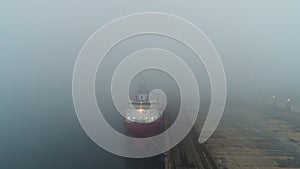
point(41, 130)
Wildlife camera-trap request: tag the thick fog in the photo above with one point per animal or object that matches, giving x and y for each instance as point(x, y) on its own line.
point(258, 42)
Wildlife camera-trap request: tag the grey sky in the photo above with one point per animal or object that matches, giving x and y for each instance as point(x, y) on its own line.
point(257, 40)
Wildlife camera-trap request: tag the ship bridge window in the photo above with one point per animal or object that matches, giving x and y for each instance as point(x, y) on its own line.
point(142, 103)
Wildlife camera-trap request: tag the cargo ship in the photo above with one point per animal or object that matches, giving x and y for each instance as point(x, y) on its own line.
point(143, 116)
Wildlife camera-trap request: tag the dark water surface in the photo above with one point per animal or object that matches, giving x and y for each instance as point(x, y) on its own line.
point(42, 131)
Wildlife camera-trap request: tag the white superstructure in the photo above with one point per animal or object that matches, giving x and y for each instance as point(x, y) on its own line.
point(142, 110)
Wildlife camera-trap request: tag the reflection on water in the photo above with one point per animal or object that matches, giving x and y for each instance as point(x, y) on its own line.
point(155, 162)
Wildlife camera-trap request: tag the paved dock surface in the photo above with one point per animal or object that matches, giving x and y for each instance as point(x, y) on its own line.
point(189, 154)
point(249, 136)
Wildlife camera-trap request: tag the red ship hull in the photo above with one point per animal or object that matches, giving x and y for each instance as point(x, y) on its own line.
point(141, 130)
